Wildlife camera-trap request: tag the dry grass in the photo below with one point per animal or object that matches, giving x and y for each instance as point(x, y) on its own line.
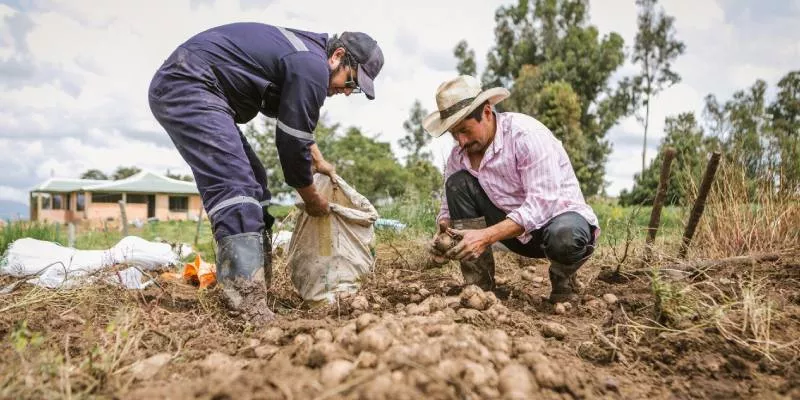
point(742, 217)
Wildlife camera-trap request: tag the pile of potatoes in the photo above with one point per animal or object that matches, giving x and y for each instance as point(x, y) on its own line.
point(423, 351)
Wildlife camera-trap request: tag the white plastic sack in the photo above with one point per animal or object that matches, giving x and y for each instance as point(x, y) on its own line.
point(52, 265)
point(329, 254)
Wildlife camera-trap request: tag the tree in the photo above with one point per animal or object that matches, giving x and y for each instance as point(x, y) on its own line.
point(684, 134)
point(785, 144)
point(94, 174)
point(365, 163)
point(262, 140)
point(187, 178)
point(466, 59)
point(556, 37)
point(416, 137)
point(124, 172)
point(654, 50)
point(424, 177)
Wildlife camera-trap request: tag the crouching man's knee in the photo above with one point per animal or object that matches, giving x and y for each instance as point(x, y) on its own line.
point(567, 239)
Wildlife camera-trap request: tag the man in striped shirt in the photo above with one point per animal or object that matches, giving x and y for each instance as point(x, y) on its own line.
point(226, 76)
point(508, 180)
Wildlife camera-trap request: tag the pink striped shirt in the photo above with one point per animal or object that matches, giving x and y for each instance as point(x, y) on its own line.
point(526, 173)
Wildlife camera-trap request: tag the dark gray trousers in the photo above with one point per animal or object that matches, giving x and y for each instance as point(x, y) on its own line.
point(566, 239)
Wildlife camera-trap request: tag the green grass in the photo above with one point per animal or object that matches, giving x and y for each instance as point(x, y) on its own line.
point(614, 218)
point(38, 230)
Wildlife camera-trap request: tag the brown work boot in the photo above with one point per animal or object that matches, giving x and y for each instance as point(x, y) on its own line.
point(241, 276)
point(564, 281)
point(480, 271)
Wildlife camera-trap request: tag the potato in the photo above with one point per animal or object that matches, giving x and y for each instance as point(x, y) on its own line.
point(516, 382)
point(497, 339)
point(475, 298)
point(322, 353)
point(367, 360)
point(376, 339)
point(323, 336)
point(444, 242)
point(418, 309)
point(435, 303)
point(360, 303)
point(546, 373)
point(527, 344)
point(364, 320)
point(335, 371)
point(479, 374)
point(553, 329)
point(560, 309)
point(272, 335)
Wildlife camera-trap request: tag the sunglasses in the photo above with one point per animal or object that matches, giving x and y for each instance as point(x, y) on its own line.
point(352, 84)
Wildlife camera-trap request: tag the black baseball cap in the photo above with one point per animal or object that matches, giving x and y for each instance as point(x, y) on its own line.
point(368, 55)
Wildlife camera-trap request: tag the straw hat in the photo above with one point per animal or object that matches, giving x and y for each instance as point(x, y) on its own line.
point(455, 99)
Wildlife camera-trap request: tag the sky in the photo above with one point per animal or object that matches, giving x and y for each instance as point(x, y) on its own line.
point(74, 73)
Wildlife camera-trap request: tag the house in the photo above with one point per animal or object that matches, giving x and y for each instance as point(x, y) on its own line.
point(146, 195)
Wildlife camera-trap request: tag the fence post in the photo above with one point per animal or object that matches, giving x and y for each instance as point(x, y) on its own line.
point(70, 235)
point(699, 204)
point(124, 217)
point(658, 202)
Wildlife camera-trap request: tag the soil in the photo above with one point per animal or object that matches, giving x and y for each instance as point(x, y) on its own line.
point(403, 337)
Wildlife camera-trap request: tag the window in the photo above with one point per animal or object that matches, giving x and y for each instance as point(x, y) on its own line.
point(46, 204)
point(106, 197)
point(58, 202)
point(80, 202)
point(136, 199)
point(178, 203)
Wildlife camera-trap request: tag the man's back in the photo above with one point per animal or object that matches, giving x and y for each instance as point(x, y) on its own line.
point(247, 57)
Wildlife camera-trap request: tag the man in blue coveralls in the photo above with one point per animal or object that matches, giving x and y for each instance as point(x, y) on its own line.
point(226, 76)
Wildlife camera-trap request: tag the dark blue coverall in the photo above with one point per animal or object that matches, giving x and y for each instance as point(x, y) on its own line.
point(225, 76)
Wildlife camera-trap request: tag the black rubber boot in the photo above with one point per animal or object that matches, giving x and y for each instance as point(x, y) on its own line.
point(241, 275)
point(480, 271)
point(564, 281)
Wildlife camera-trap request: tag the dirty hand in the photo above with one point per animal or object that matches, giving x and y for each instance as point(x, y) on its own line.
point(323, 167)
point(472, 243)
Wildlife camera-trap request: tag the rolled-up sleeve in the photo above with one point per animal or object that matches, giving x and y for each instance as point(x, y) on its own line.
point(537, 165)
point(302, 94)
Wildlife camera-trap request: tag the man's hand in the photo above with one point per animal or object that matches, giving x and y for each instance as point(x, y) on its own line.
point(318, 163)
point(315, 204)
point(472, 244)
point(324, 167)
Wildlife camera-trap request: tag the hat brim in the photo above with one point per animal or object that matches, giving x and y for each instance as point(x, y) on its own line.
point(437, 126)
point(365, 83)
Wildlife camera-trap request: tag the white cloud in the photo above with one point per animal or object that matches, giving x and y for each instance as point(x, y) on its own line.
point(13, 194)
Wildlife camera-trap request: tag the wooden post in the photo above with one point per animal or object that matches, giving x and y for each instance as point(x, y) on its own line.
point(197, 232)
point(70, 235)
point(699, 203)
point(658, 202)
point(124, 217)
